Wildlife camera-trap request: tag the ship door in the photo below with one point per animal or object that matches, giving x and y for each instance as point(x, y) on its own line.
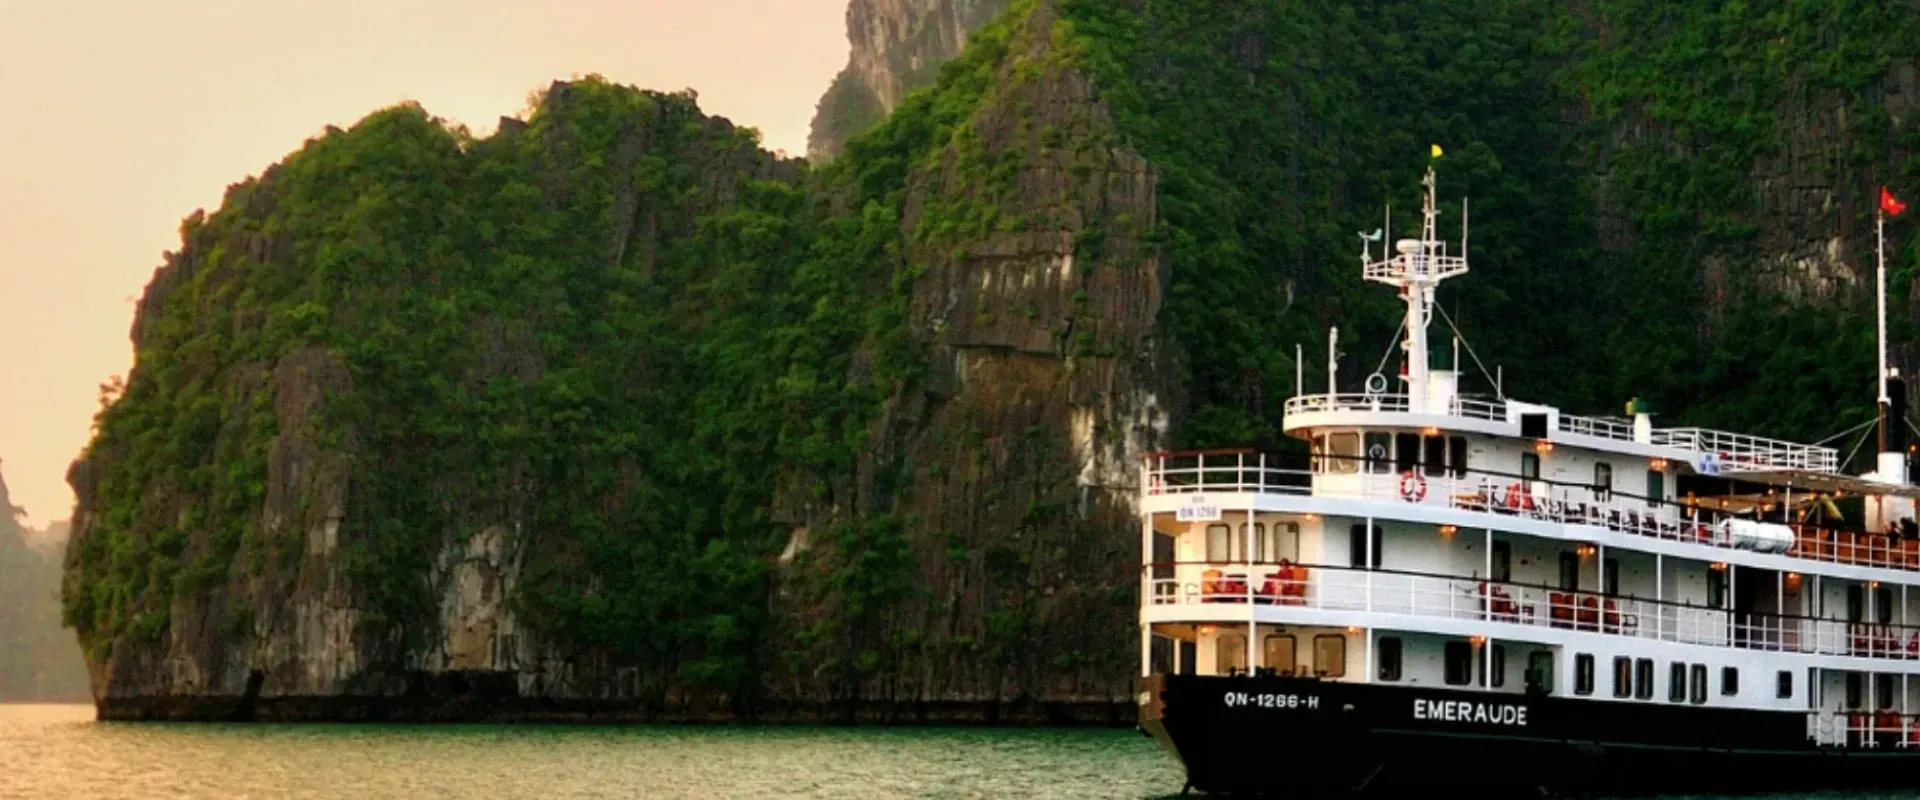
point(1540, 673)
point(1755, 591)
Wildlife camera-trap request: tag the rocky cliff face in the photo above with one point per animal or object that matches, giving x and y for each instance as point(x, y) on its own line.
point(897, 46)
point(613, 415)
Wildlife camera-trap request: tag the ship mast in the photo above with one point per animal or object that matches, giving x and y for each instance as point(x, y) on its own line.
point(1416, 266)
point(1891, 465)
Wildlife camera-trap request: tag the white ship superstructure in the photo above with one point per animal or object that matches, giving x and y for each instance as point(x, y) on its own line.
point(1477, 543)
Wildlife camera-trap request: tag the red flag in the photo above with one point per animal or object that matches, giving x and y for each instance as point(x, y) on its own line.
point(1890, 205)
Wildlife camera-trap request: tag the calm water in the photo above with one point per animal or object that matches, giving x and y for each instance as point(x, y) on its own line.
point(60, 752)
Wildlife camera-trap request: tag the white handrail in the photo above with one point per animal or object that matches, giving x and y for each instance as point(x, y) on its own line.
point(1374, 592)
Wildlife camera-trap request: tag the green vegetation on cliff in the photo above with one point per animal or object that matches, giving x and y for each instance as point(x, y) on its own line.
point(673, 372)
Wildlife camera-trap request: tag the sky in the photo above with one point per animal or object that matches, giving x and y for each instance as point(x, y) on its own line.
point(120, 117)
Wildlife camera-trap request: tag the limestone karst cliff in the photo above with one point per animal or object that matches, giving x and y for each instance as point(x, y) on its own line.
point(612, 414)
point(896, 46)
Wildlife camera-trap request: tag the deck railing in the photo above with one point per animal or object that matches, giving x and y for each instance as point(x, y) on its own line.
point(1220, 586)
point(1505, 495)
point(1731, 452)
point(1872, 730)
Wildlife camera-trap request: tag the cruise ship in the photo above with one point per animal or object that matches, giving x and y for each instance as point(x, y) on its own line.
point(1453, 590)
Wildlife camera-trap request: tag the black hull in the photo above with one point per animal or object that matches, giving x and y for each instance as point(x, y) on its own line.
point(1369, 740)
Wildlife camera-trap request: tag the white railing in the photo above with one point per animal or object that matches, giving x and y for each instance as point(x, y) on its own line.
point(1864, 729)
point(1503, 496)
point(1599, 427)
point(1735, 452)
point(1730, 452)
point(1217, 586)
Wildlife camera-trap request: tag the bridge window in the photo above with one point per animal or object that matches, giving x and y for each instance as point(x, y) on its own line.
point(1357, 546)
point(1436, 455)
point(1729, 681)
point(1530, 466)
point(1343, 450)
point(1583, 674)
point(1783, 684)
point(1330, 655)
point(1643, 678)
point(1623, 677)
point(1406, 452)
point(1457, 456)
point(1220, 547)
point(1677, 682)
point(1379, 452)
point(1261, 547)
point(1656, 487)
point(1699, 693)
point(1389, 653)
point(1279, 654)
point(1459, 663)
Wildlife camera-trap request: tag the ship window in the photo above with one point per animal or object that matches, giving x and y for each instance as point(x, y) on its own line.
point(1379, 452)
point(1357, 546)
point(1856, 691)
point(1530, 466)
point(1883, 691)
point(1406, 452)
point(1677, 682)
point(1622, 677)
point(1457, 456)
point(1583, 674)
point(1436, 455)
point(1699, 693)
point(1643, 678)
point(1231, 656)
point(1569, 572)
point(1279, 653)
point(1783, 684)
point(1656, 487)
point(1317, 450)
point(1330, 655)
point(1883, 605)
point(1286, 541)
point(1459, 663)
point(1493, 667)
point(1613, 577)
point(1343, 450)
point(1219, 544)
point(1502, 561)
point(1260, 548)
point(1716, 588)
point(1389, 658)
point(1730, 681)
point(1602, 482)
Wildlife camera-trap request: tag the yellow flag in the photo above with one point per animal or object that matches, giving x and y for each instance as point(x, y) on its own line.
point(1437, 152)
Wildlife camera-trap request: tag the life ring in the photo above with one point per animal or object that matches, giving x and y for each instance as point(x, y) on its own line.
point(1413, 487)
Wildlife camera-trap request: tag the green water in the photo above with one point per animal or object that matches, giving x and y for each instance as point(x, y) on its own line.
point(60, 752)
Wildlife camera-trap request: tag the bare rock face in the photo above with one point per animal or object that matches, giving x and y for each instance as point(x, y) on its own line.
point(898, 46)
point(1049, 377)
